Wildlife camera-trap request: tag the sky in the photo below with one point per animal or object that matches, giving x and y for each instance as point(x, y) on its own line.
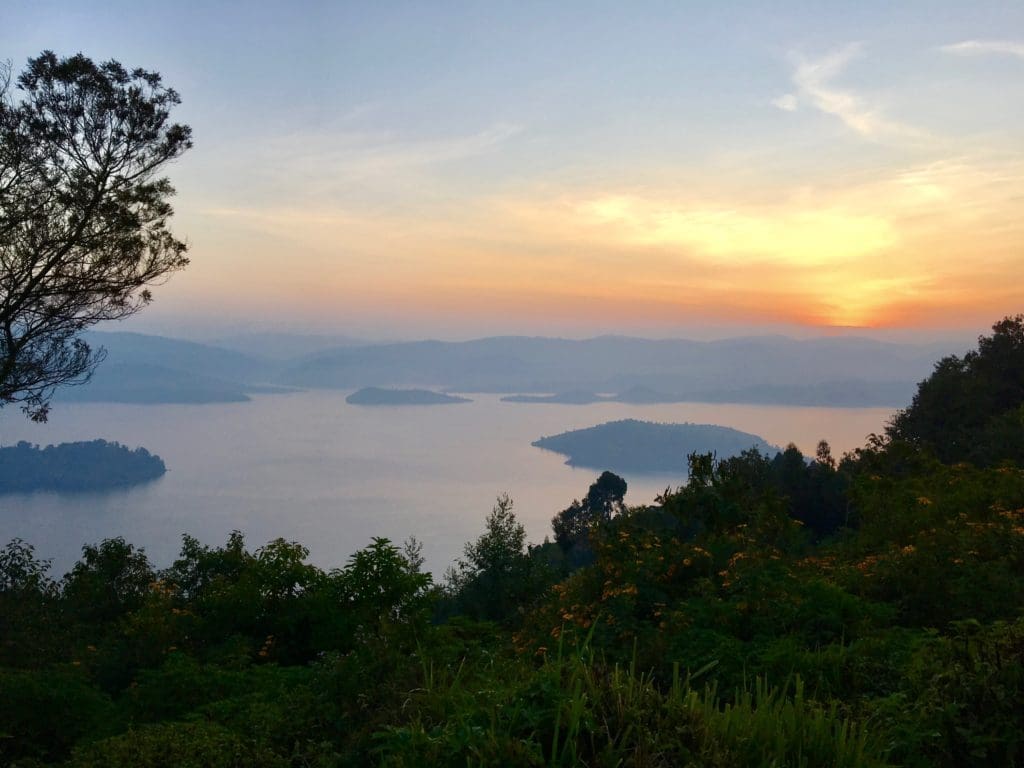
point(403, 170)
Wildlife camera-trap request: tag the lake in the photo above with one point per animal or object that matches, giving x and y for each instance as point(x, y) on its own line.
point(309, 467)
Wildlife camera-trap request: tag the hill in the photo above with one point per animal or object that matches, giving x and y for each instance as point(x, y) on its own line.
point(844, 371)
point(145, 369)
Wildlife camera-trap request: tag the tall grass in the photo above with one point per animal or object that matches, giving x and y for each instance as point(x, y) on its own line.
point(572, 709)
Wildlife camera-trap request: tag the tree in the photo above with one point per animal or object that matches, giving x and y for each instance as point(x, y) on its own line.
point(496, 574)
point(83, 213)
point(969, 409)
point(604, 499)
point(113, 578)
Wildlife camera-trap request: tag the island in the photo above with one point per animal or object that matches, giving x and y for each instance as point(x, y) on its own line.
point(381, 396)
point(71, 467)
point(642, 446)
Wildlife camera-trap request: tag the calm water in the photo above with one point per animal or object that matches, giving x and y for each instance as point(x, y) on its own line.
point(309, 467)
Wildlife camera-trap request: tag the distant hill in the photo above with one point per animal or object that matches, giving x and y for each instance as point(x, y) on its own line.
point(641, 446)
point(146, 369)
point(770, 369)
point(142, 383)
point(188, 356)
point(85, 466)
point(844, 371)
point(285, 346)
point(379, 396)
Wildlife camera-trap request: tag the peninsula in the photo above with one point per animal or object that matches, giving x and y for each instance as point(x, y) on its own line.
point(381, 396)
point(642, 446)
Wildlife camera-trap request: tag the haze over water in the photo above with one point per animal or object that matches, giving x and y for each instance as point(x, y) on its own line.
point(309, 467)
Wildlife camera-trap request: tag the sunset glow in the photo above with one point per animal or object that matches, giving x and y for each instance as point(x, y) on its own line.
point(868, 178)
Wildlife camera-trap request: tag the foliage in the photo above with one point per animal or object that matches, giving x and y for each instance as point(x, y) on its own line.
point(497, 575)
point(969, 409)
point(83, 213)
point(573, 525)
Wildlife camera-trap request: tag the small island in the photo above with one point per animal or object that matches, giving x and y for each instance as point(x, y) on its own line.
point(642, 446)
point(70, 467)
point(381, 396)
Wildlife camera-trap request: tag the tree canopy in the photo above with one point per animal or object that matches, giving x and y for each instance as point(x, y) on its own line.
point(972, 408)
point(83, 213)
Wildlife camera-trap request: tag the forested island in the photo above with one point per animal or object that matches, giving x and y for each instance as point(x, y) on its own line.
point(641, 446)
point(382, 396)
point(84, 466)
point(853, 613)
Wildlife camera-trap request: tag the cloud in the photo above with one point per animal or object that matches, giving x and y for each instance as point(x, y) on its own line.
point(349, 167)
point(787, 102)
point(360, 155)
point(813, 79)
point(983, 47)
point(782, 235)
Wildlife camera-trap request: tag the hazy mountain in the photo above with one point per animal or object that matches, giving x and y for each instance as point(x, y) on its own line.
point(154, 369)
point(143, 383)
point(189, 356)
point(285, 346)
point(771, 369)
point(847, 371)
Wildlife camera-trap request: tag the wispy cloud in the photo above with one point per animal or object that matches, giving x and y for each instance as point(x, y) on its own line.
point(347, 165)
point(358, 155)
point(814, 78)
point(787, 102)
point(985, 47)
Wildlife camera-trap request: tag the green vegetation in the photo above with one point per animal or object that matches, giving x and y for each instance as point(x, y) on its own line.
point(772, 612)
point(69, 467)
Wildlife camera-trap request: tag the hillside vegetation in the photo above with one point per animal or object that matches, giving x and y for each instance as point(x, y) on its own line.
point(772, 612)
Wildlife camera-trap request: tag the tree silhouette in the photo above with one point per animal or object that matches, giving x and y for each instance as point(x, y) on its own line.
point(604, 499)
point(83, 213)
point(971, 408)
